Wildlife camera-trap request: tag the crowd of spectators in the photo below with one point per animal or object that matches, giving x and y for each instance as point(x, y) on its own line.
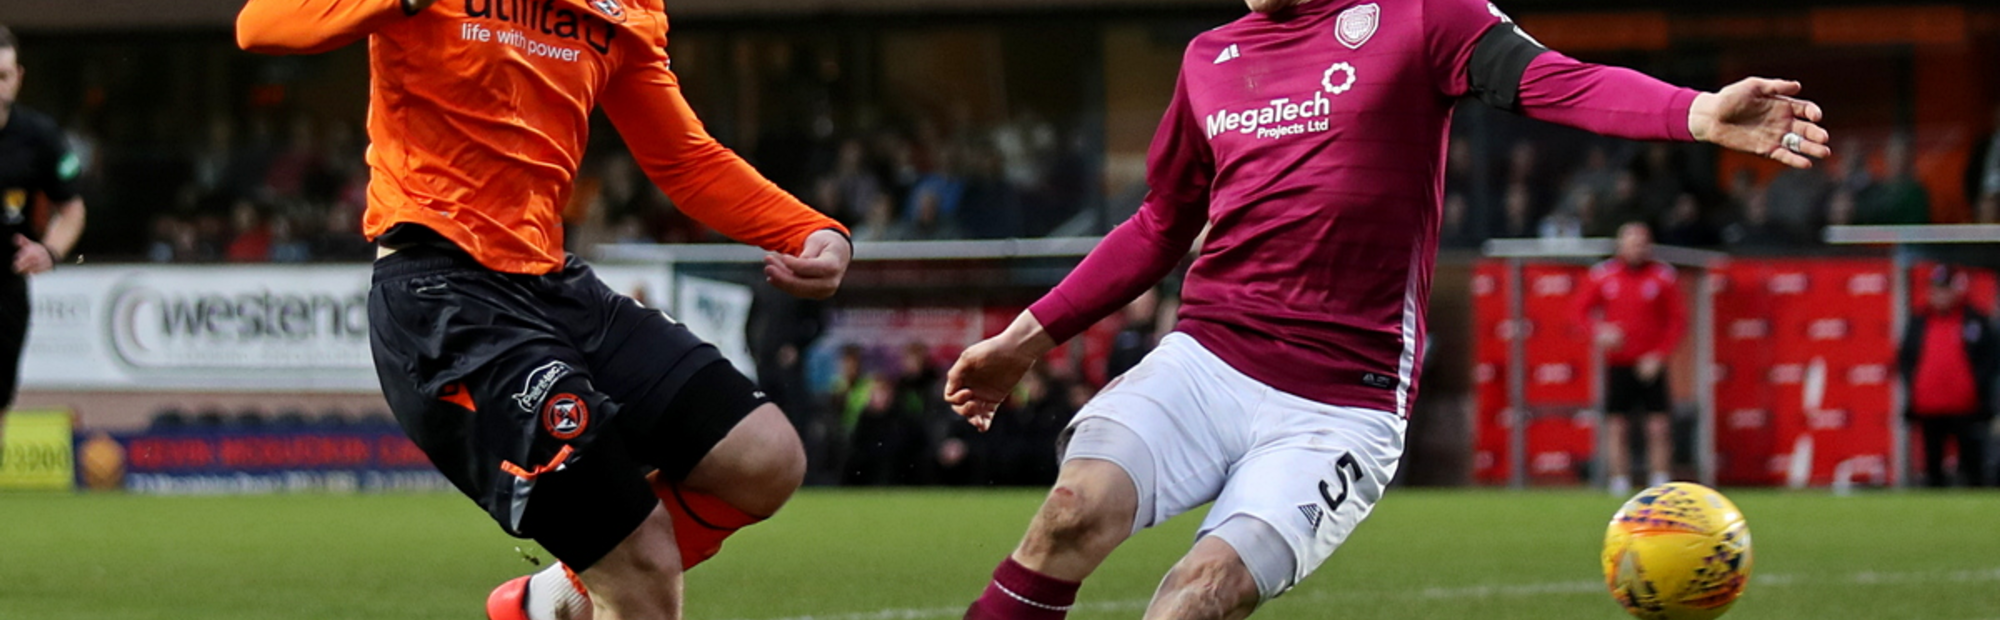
point(1016, 178)
point(253, 195)
point(880, 418)
point(1865, 183)
point(265, 199)
point(888, 425)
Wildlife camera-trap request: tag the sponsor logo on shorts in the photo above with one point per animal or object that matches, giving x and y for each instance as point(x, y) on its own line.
point(1314, 515)
point(565, 416)
point(536, 387)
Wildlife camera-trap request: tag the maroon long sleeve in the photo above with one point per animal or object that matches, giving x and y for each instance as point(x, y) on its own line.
point(1613, 101)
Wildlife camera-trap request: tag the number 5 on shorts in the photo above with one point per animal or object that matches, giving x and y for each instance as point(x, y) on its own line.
point(1347, 471)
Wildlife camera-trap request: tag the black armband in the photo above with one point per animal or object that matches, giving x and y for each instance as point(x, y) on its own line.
point(1498, 60)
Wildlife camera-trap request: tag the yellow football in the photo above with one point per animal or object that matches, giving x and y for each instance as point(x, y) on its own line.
point(1678, 551)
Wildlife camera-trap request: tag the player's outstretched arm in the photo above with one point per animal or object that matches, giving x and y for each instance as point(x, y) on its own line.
point(1131, 259)
point(1477, 51)
point(314, 26)
point(711, 184)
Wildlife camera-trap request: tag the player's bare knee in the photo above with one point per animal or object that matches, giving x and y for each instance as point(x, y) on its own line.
point(776, 464)
point(1074, 517)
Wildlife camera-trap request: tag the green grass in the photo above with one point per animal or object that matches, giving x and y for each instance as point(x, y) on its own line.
point(840, 555)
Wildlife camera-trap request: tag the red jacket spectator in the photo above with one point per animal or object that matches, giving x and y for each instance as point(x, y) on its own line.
point(1643, 301)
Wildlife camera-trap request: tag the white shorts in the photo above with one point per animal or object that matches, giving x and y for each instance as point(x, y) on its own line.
point(1290, 477)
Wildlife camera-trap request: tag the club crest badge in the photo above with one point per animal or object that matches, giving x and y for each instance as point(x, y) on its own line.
point(565, 416)
point(610, 8)
point(1356, 25)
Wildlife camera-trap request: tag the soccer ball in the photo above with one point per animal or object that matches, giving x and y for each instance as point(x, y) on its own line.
point(1678, 551)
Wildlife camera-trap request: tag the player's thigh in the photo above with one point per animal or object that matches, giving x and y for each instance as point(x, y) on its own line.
point(681, 399)
point(1176, 424)
point(1297, 497)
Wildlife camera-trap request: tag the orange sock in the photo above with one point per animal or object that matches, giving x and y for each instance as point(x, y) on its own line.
point(701, 521)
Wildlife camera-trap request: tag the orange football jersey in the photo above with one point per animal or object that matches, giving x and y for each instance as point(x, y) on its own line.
point(479, 113)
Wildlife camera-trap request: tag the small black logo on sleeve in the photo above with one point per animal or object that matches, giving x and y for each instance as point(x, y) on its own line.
point(1378, 381)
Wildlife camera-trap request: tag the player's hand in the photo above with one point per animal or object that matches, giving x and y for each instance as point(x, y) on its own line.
point(987, 371)
point(1754, 115)
point(816, 272)
point(1649, 367)
point(31, 258)
point(1609, 336)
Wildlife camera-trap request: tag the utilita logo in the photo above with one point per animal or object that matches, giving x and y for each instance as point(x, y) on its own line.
point(1287, 117)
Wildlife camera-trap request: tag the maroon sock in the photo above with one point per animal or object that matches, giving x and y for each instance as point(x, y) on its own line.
point(1018, 593)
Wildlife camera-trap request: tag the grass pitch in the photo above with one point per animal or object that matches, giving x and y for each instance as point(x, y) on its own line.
point(912, 555)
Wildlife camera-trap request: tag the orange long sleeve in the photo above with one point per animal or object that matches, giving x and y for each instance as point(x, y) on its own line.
point(311, 26)
point(706, 180)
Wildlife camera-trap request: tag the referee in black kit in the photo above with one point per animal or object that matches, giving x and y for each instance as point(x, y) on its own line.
point(35, 162)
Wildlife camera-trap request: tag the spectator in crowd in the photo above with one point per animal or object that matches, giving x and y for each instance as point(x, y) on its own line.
point(943, 187)
point(1796, 200)
point(854, 187)
point(1840, 208)
point(1456, 228)
point(160, 245)
point(1642, 322)
point(1623, 205)
point(1517, 212)
point(1026, 445)
point(252, 240)
point(994, 207)
point(1661, 182)
point(919, 403)
point(340, 237)
point(1948, 364)
point(286, 246)
point(1685, 226)
point(1898, 198)
point(878, 222)
point(847, 396)
point(879, 437)
point(1756, 228)
point(931, 220)
point(1595, 179)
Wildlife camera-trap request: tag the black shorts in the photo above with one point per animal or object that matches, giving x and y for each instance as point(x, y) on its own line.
point(547, 399)
point(1625, 393)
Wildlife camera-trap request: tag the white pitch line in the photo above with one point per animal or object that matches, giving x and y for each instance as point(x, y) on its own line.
point(1863, 578)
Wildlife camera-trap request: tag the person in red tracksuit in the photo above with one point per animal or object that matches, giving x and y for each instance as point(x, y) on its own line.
point(1642, 321)
point(1948, 363)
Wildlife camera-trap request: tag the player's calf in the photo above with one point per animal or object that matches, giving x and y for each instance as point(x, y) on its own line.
point(641, 578)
